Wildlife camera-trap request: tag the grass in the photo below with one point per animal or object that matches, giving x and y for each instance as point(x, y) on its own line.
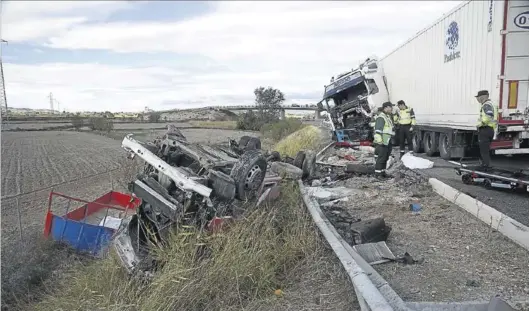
point(227, 125)
point(28, 265)
point(230, 270)
point(308, 137)
point(281, 129)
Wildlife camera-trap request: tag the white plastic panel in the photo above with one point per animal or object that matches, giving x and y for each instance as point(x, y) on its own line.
point(440, 83)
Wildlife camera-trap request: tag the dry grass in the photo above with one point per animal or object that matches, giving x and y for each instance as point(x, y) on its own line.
point(227, 125)
point(309, 137)
point(241, 267)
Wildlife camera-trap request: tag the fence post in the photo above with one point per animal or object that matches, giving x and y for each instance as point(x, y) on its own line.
point(19, 219)
point(111, 180)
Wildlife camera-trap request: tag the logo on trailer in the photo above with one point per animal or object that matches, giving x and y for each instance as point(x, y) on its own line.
point(452, 49)
point(522, 20)
point(489, 27)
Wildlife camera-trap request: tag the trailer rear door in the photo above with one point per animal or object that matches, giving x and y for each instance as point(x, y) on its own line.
point(515, 99)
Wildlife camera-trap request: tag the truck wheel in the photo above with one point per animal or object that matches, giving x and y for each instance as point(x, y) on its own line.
point(243, 141)
point(298, 161)
point(431, 143)
point(445, 142)
point(248, 174)
point(417, 142)
point(253, 144)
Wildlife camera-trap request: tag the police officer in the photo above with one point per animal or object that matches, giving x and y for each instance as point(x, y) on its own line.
point(383, 133)
point(406, 121)
point(487, 124)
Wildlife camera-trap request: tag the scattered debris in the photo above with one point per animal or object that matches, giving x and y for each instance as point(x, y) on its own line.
point(413, 162)
point(407, 259)
point(375, 253)
point(370, 231)
point(328, 194)
point(473, 283)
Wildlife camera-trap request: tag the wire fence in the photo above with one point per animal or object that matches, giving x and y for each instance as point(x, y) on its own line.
point(23, 214)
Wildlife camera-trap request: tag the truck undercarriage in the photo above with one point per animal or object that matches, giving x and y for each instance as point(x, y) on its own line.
point(183, 183)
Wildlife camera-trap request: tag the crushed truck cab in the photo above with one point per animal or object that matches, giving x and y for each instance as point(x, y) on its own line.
point(351, 101)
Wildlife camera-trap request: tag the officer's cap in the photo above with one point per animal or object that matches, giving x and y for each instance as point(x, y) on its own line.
point(482, 92)
point(387, 104)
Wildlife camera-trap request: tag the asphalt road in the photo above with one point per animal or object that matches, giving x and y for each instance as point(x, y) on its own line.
point(514, 205)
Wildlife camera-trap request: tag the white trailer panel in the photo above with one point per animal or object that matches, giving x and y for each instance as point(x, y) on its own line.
point(440, 70)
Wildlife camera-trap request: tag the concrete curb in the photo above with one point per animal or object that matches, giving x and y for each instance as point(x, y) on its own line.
point(509, 227)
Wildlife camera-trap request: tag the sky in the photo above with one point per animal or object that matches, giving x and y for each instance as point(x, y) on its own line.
point(128, 55)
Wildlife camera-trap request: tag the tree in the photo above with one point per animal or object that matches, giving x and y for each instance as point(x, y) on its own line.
point(268, 101)
point(154, 116)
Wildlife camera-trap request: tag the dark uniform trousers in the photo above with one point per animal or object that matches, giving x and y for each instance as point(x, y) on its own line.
point(405, 136)
point(382, 153)
point(485, 137)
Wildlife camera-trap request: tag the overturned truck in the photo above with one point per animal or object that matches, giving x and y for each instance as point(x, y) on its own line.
point(184, 183)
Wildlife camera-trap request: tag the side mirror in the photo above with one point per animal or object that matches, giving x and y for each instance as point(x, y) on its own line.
point(320, 106)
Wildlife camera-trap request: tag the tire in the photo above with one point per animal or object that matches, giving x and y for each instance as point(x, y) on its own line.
point(274, 156)
point(417, 142)
point(243, 141)
point(431, 143)
point(248, 174)
point(445, 142)
point(253, 144)
point(298, 161)
point(309, 164)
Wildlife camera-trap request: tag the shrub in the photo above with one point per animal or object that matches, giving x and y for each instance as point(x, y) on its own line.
point(101, 124)
point(249, 121)
point(77, 122)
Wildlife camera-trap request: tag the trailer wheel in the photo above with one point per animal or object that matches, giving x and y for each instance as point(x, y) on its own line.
point(431, 143)
point(248, 174)
point(445, 142)
point(417, 142)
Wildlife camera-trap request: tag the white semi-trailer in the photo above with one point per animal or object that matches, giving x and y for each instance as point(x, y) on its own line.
point(479, 45)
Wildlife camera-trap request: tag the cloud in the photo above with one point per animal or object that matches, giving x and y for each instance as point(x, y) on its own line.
point(294, 46)
point(33, 21)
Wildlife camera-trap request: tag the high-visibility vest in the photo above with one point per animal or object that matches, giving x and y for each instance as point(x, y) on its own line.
point(405, 117)
point(384, 136)
point(484, 118)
